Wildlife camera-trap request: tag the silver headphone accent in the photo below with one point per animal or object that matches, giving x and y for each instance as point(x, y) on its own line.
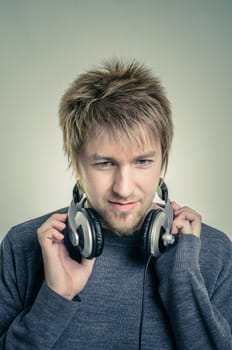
point(161, 229)
point(77, 221)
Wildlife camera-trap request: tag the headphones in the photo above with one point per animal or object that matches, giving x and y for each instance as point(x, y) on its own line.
point(84, 235)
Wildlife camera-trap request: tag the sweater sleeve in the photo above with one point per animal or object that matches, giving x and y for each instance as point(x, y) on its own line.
point(35, 326)
point(200, 317)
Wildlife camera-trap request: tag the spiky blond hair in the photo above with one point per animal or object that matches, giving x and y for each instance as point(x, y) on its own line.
point(119, 97)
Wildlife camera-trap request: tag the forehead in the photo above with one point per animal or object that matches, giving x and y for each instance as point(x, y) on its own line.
point(121, 146)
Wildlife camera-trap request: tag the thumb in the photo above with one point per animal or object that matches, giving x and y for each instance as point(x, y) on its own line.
point(88, 264)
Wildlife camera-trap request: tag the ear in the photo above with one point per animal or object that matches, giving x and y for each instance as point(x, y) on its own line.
point(77, 193)
point(162, 190)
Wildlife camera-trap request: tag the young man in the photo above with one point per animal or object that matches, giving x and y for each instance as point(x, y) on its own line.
point(117, 130)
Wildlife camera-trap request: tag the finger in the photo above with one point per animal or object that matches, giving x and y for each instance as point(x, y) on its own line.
point(187, 209)
point(186, 215)
point(175, 205)
point(61, 217)
point(59, 225)
point(195, 221)
point(52, 222)
point(50, 236)
point(55, 235)
point(181, 226)
point(187, 221)
point(56, 218)
point(189, 214)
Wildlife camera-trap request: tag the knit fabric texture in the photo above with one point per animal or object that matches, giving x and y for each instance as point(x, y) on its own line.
point(187, 301)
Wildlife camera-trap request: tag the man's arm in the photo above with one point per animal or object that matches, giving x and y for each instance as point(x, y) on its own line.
point(199, 308)
point(36, 324)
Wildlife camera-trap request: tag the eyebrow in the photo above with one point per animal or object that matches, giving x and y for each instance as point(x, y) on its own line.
point(97, 157)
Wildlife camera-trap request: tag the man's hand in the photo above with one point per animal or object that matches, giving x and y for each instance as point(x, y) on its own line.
point(62, 274)
point(186, 220)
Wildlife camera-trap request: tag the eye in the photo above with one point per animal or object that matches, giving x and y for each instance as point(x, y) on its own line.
point(144, 162)
point(104, 164)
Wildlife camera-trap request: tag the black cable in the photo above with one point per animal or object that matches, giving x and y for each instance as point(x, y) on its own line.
point(143, 299)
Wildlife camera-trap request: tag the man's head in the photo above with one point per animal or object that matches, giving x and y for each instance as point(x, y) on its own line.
point(119, 97)
point(117, 131)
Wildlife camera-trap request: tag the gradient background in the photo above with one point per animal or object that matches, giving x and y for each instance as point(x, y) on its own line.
point(46, 44)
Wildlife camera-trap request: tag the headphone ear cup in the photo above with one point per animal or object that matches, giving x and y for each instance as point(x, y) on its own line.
point(96, 231)
point(84, 232)
point(152, 229)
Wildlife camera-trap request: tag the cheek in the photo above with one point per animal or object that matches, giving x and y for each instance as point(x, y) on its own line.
point(152, 179)
point(151, 186)
point(95, 188)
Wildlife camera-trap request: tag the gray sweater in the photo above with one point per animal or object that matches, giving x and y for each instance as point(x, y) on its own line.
point(187, 305)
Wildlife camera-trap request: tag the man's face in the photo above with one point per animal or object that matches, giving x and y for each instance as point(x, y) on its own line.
point(120, 179)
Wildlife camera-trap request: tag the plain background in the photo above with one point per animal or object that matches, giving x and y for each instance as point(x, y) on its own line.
point(45, 44)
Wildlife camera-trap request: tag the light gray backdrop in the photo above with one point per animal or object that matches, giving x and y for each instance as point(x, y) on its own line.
point(46, 43)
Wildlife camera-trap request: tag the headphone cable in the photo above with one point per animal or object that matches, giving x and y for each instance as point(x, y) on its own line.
point(143, 300)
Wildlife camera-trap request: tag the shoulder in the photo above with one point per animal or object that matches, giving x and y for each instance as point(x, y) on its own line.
point(215, 242)
point(25, 234)
point(21, 259)
point(215, 257)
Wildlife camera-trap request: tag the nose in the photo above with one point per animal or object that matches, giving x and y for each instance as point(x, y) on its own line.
point(123, 184)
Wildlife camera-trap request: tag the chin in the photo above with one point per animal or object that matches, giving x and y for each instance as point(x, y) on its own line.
point(123, 224)
point(123, 229)
point(123, 232)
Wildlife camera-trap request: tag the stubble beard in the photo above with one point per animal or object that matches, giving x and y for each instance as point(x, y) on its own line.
point(121, 223)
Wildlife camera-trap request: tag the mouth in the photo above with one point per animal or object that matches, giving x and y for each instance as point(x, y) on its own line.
point(120, 206)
